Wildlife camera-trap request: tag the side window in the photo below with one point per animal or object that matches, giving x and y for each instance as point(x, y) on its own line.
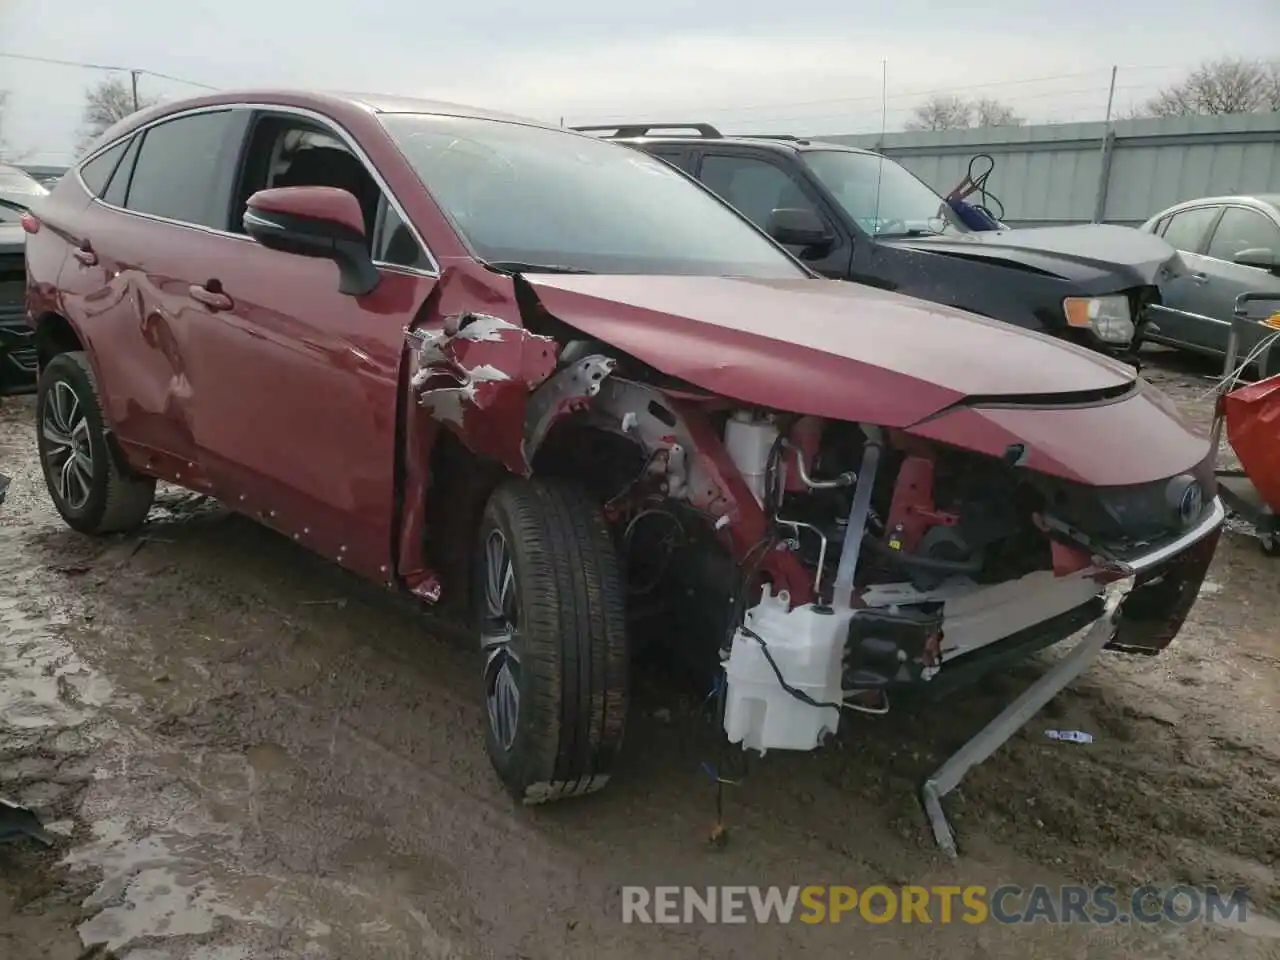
point(178, 168)
point(755, 187)
point(677, 158)
point(285, 151)
point(97, 171)
point(1185, 231)
point(1241, 229)
point(118, 187)
point(396, 244)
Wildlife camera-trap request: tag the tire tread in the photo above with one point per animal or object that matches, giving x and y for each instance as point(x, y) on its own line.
point(574, 635)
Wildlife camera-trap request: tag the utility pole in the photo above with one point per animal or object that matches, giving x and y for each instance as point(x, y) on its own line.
point(1108, 148)
point(133, 77)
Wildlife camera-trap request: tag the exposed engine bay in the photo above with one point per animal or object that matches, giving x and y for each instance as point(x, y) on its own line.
point(822, 564)
point(816, 565)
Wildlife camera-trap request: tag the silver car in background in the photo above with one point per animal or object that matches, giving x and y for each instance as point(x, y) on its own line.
point(1231, 246)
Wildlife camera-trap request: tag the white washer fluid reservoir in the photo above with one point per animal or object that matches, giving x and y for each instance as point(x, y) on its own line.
point(807, 645)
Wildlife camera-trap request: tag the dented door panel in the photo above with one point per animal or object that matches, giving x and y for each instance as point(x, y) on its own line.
point(296, 400)
point(134, 311)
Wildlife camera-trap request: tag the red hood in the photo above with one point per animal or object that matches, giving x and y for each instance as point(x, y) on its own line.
point(827, 348)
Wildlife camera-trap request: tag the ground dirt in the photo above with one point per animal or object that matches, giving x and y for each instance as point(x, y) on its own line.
point(243, 753)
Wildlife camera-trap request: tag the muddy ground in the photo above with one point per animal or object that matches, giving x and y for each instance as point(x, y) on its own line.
point(244, 753)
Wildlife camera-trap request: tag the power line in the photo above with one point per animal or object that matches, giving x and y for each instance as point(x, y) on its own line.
point(907, 93)
point(1042, 95)
point(110, 68)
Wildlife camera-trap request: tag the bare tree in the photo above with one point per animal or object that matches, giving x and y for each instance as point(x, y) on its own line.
point(1219, 87)
point(992, 113)
point(956, 113)
point(1271, 88)
point(940, 113)
point(104, 104)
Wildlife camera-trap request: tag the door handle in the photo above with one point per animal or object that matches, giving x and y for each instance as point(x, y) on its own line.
point(1199, 278)
point(84, 253)
point(214, 299)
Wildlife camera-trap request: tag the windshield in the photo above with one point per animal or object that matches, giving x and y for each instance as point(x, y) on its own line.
point(905, 205)
point(536, 196)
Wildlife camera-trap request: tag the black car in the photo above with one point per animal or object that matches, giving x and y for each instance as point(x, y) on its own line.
point(18, 191)
point(852, 214)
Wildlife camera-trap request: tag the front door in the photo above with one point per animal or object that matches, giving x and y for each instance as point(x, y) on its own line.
point(297, 384)
point(756, 186)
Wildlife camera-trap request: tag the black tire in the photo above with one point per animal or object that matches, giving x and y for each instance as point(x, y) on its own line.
point(102, 498)
point(568, 659)
point(1270, 544)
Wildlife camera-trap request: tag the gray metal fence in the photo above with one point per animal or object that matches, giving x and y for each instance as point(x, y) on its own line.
point(1078, 172)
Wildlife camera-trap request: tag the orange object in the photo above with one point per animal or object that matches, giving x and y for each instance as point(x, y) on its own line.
point(1253, 428)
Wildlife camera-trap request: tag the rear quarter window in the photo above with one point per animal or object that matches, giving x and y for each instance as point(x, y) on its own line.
point(96, 172)
point(118, 186)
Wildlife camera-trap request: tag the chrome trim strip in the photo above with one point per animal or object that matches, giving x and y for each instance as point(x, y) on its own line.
point(312, 115)
point(1158, 556)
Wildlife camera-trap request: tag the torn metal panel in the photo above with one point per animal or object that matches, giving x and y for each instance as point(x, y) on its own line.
point(474, 374)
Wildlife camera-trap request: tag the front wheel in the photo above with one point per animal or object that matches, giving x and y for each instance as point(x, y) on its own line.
point(1270, 544)
point(87, 485)
point(551, 618)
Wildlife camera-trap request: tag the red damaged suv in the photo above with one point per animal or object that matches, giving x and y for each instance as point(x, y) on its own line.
point(557, 383)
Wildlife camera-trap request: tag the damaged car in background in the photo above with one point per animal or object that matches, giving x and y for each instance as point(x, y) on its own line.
point(547, 380)
point(853, 214)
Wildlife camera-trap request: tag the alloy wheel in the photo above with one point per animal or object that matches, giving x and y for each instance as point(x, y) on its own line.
point(68, 452)
point(500, 640)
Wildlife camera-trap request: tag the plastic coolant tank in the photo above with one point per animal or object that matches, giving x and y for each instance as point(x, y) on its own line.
point(748, 442)
point(808, 646)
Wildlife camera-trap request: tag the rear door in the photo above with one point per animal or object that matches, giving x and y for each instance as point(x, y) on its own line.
point(1185, 316)
point(153, 224)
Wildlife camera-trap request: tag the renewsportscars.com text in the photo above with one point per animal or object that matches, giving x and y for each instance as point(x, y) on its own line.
point(973, 904)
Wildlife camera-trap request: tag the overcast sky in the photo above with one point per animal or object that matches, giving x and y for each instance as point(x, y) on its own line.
point(748, 65)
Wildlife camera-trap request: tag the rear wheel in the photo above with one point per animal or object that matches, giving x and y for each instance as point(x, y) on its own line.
point(87, 485)
point(551, 618)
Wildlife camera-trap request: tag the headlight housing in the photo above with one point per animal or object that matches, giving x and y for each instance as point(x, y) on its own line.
point(1109, 317)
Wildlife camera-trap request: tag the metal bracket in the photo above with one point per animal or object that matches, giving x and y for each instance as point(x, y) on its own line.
point(1015, 716)
point(577, 382)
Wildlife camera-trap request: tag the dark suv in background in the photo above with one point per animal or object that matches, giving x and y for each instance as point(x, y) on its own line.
point(852, 214)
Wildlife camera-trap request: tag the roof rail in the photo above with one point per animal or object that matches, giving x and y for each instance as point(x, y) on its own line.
point(772, 136)
point(642, 129)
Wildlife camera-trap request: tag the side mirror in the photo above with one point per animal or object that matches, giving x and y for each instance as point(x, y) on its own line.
point(1259, 257)
point(799, 227)
point(315, 222)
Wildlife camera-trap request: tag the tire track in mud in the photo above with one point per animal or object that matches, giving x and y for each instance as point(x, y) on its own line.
point(290, 764)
